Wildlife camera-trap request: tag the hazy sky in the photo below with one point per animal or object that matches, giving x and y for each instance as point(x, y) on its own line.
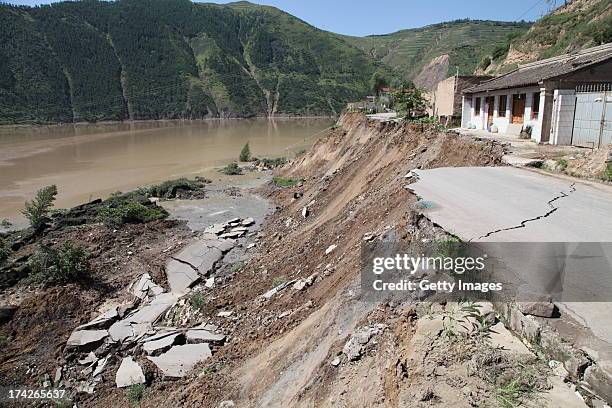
point(363, 17)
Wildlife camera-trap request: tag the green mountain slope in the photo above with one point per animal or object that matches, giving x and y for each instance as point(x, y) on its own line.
point(155, 59)
point(464, 41)
point(577, 25)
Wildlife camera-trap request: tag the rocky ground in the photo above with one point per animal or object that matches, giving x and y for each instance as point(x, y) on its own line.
point(240, 312)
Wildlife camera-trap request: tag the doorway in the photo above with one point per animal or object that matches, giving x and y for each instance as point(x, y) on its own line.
point(490, 103)
point(518, 107)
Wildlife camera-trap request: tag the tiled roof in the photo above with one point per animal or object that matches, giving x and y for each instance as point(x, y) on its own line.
point(533, 73)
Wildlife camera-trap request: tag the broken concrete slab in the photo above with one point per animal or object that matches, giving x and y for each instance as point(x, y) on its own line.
point(129, 373)
point(247, 222)
point(180, 276)
point(200, 256)
point(161, 344)
point(120, 331)
point(89, 359)
point(145, 287)
point(159, 335)
point(203, 336)
point(102, 321)
point(179, 360)
point(223, 245)
point(101, 366)
point(149, 313)
point(81, 338)
point(215, 229)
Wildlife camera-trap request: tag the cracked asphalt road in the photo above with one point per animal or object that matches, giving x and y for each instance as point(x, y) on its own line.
point(509, 204)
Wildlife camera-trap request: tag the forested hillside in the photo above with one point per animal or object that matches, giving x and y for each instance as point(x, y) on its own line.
point(458, 45)
point(154, 59)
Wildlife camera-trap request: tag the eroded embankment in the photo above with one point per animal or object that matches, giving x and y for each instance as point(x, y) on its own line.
point(354, 185)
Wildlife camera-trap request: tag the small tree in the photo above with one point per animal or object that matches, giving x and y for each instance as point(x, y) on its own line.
point(245, 153)
point(410, 103)
point(377, 83)
point(37, 210)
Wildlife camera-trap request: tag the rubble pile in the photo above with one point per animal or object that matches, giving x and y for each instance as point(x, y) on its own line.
point(132, 336)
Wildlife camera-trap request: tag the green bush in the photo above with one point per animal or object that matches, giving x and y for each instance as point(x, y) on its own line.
point(5, 223)
point(287, 181)
point(231, 169)
point(4, 251)
point(197, 300)
point(130, 213)
point(245, 153)
point(168, 189)
point(279, 161)
point(135, 393)
point(37, 210)
point(608, 173)
point(51, 266)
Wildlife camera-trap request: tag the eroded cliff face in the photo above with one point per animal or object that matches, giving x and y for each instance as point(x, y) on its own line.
point(433, 72)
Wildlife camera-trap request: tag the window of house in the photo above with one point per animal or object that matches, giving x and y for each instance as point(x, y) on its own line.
point(501, 109)
point(477, 107)
point(535, 106)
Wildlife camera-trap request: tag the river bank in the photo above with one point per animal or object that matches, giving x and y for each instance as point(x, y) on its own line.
point(94, 161)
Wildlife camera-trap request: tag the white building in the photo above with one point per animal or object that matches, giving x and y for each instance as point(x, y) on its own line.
point(565, 100)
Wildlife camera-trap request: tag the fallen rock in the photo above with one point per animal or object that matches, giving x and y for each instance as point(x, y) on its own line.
point(305, 212)
point(101, 365)
point(336, 362)
point(129, 373)
point(542, 309)
point(247, 222)
point(330, 249)
point(225, 313)
point(179, 360)
point(82, 338)
point(353, 348)
point(277, 289)
point(145, 287)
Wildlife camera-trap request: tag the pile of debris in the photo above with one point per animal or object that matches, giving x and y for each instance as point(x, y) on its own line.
point(131, 335)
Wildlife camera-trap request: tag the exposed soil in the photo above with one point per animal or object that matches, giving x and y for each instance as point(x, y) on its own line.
point(288, 350)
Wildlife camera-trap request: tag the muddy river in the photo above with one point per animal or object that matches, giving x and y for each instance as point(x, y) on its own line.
point(91, 161)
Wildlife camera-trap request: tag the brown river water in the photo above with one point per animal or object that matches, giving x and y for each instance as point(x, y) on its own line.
point(92, 161)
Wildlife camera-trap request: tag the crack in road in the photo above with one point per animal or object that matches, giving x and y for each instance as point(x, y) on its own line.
point(186, 263)
point(524, 223)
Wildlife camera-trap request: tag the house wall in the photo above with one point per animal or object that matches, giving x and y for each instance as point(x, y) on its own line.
point(445, 98)
point(479, 119)
point(562, 123)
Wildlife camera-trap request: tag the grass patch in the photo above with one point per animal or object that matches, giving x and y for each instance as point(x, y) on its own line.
point(231, 169)
point(237, 267)
point(287, 181)
point(135, 393)
point(510, 395)
point(562, 163)
point(197, 300)
point(279, 280)
point(56, 266)
point(5, 223)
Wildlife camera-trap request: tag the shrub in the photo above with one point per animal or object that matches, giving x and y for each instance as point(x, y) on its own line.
point(279, 280)
point(287, 181)
point(135, 393)
point(169, 188)
point(51, 266)
point(4, 251)
point(197, 300)
point(608, 173)
point(562, 164)
point(245, 153)
point(37, 210)
point(130, 212)
point(231, 169)
point(280, 161)
point(5, 223)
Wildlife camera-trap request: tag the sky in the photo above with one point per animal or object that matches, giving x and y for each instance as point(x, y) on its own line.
point(365, 17)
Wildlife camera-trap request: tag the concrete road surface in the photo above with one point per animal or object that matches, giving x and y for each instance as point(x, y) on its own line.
point(507, 204)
